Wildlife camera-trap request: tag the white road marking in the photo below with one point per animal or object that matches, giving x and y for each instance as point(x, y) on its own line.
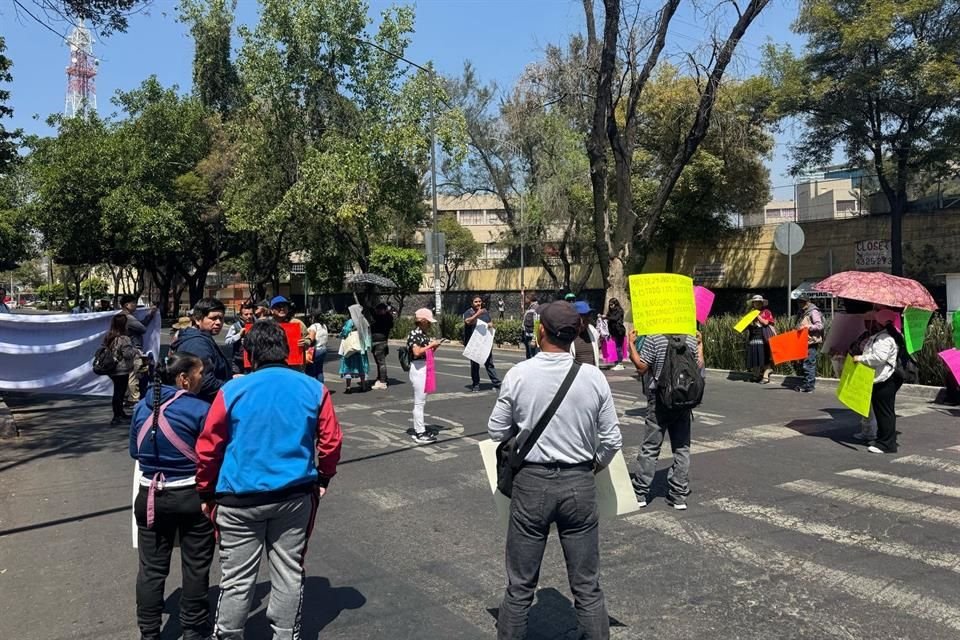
point(912, 410)
point(831, 533)
point(745, 437)
point(882, 593)
point(932, 463)
point(955, 447)
point(388, 499)
point(870, 500)
point(904, 483)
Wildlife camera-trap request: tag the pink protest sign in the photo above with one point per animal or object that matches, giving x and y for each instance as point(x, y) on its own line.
point(430, 384)
point(703, 298)
point(951, 358)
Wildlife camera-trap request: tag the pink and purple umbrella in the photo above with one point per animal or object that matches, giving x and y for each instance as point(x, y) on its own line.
point(879, 288)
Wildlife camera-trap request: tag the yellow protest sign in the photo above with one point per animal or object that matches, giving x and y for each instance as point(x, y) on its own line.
point(663, 303)
point(745, 321)
point(856, 386)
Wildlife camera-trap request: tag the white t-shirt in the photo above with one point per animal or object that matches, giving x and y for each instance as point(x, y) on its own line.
point(319, 334)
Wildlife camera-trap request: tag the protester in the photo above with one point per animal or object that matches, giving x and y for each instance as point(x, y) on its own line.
point(234, 338)
point(267, 453)
point(182, 323)
point(163, 438)
point(3, 301)
point(419, 343)
point(530, 318)
point(125, 355)
point(318, 334)
point(500, 308)
point(661, 420)
point(618, 332)
point(281, 310)
point(207, 322)
point(881, 352)
point(812, 320)
point(476, 312)
point(263, 310)
point(135, 331)
point(354, 362)
point(759, 358)
point(380, 335)
point(556, 483)
point(586, 346)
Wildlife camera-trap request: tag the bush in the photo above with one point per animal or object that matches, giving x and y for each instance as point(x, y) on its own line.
point(402, 327)
point(334, 322)
point(726, 349)
point(508, 332)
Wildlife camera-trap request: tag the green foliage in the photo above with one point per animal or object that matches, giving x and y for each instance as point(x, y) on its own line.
point(215, 80)
point(106, 16)
point(334, 321)
point(9, 140)
point(52, 293)
point(403, 266)
point(462, 248)
point(402, 327)
point(94, 288)
point(508, 332)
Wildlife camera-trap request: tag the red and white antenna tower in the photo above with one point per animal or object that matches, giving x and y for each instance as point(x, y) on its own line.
point(81, 89)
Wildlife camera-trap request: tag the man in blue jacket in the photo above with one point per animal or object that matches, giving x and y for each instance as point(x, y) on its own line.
point(198, 340)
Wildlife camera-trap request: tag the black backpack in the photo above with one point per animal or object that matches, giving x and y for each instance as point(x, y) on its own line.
point(680, 385)
point(104, 361)
point(403, 353)
point(906, 367)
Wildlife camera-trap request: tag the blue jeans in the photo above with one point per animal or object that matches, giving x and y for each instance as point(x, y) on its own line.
point(810, 367)
point(316, 369)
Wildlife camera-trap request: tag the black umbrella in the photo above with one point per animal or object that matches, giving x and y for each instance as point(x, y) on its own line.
point(370, 279)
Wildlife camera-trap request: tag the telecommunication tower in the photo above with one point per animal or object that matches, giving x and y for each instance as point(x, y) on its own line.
point(81, 89)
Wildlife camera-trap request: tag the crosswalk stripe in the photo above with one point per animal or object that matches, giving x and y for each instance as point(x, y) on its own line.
point(745, 437)
point(882, 593)
point(831, 533)
point(869, 499)
point(932, 463)
point(904, 483)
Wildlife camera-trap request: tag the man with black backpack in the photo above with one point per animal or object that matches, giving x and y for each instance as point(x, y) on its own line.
point(676, 387)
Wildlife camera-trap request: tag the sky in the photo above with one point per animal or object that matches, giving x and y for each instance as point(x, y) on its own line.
point(500, 37)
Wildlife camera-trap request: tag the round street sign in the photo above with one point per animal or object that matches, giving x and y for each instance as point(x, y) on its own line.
point(788, 238)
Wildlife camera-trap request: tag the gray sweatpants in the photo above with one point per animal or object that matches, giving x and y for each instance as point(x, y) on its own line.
point(283, 527)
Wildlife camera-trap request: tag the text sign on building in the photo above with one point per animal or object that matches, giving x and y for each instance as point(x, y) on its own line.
point(872, 253)
point(708, 273)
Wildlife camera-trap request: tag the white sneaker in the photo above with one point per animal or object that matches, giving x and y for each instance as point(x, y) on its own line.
point(641, 502)
point(379, 386)
point(873, 449)
point(619, 367)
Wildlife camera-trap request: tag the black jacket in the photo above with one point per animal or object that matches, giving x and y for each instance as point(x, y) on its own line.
point(216, 367)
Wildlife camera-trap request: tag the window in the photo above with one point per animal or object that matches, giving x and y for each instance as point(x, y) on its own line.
point(472, 217)
point(846, 206)
point(496, 252)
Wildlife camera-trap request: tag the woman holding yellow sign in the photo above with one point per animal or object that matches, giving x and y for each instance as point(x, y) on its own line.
point(759, 333)
point(882, 352)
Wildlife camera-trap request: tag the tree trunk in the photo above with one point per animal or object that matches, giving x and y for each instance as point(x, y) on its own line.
point(617, 284)
point(197, 283)
point(671, 255)
point(897, 209)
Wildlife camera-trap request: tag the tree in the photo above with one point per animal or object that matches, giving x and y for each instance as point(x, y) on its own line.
point(215, 80)
point(8, 139)
point(403, 266)
point(881, 81)
point(620, 84)
point(462, 249)
point(94, 288)
point(106, 16)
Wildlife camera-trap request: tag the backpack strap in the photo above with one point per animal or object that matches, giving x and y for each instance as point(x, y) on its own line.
point(163, 424)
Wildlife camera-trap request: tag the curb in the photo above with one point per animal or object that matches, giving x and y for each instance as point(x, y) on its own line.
point(918, 391)
point(8, 426)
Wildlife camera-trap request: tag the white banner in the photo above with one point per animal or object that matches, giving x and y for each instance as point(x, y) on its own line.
point(54, 353)
point(480, 345)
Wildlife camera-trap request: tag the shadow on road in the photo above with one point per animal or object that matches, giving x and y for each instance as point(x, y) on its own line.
point(552, 617)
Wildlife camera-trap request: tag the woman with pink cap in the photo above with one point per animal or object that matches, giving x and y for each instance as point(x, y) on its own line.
point(882, 352)
point(419, 344)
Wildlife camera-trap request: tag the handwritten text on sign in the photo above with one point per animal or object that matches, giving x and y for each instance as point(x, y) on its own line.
point(856, 386)
point(663, 303)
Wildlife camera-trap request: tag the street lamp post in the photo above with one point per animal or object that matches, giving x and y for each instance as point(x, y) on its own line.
point(433, 163)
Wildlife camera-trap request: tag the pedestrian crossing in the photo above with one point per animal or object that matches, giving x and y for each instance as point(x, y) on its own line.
point(902, 525)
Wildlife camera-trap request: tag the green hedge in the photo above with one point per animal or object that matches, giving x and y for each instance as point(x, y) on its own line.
point(726, 349)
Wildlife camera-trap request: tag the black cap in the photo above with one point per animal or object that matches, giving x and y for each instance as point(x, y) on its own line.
point(560, 320)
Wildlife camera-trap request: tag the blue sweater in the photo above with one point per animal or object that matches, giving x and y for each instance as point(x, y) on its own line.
point(216, 368)
point(157, 454)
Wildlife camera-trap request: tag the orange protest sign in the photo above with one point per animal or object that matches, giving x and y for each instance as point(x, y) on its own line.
point(789, 346)
point(292, 329)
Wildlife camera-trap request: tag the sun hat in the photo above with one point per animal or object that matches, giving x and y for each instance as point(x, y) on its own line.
point(560, 320)
point(182, 322)
point(424, 314)
point(758, 298)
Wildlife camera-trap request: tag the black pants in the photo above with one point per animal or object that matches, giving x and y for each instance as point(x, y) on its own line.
point(120, 385)
point(176, 511)
point(491, 372)
point(884, 401)
point(568, 498)
point(380, 357)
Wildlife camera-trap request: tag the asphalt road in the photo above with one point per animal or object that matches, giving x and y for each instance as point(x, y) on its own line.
point(793, 531)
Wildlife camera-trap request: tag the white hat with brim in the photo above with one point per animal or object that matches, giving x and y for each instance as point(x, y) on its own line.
point(758, 298)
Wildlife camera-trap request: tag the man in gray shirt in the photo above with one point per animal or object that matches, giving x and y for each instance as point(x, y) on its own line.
point(555, 485)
